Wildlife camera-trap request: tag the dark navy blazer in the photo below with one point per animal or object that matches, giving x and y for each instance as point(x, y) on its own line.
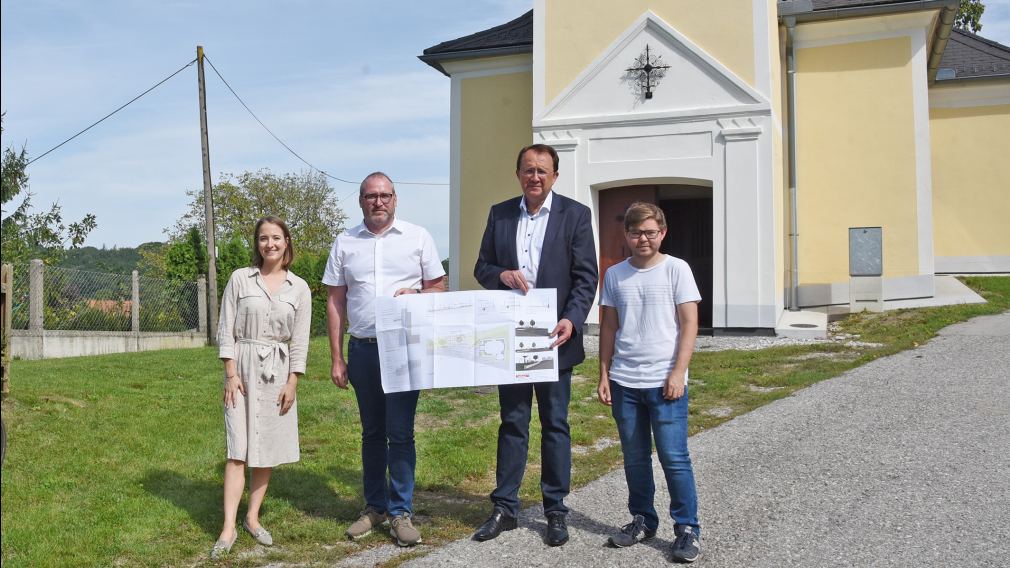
point(567, 262)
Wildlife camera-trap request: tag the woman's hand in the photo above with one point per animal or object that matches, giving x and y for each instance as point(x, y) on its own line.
point(232, 386)
point(287, 397)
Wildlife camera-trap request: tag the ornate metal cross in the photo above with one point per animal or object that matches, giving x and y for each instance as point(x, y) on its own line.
point(648, 70)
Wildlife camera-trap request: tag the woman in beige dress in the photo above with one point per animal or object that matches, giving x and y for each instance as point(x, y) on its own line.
point(263, 335)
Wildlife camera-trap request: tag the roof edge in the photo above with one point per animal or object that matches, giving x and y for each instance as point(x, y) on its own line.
point(973, 79)
point(803, 10)
point(436, 60)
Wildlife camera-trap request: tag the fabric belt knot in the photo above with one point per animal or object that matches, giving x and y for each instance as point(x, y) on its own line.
point(269, 353)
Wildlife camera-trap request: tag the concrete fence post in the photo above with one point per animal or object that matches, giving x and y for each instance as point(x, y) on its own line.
point(36, 299)
point(135, 302)
point(201, 303)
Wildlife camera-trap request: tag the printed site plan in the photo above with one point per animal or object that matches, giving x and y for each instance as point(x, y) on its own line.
point(466, 339)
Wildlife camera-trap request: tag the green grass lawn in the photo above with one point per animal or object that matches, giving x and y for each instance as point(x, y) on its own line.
point(117, 460)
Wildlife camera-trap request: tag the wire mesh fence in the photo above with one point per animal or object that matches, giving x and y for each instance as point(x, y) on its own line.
point(168, 305)
point(83, 300)
point(89, 301)
point(20, 297)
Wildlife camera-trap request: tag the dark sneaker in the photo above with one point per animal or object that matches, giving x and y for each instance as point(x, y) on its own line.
point(687, 547)
point(369, 519)
point(632, 533)
point(557, 528)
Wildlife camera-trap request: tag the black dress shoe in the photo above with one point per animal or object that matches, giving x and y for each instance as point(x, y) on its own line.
point(499, 521)
point(557, 529)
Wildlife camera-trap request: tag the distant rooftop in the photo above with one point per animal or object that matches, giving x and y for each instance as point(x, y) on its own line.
point(971, 56)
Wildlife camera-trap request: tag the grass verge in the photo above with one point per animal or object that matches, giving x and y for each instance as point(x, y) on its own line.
point(117, 460)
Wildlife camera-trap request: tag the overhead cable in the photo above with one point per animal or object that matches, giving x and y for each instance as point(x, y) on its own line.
point(288, 148)
point(99, 121)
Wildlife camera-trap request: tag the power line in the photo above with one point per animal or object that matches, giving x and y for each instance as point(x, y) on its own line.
point(288, 148)
point(111, 113)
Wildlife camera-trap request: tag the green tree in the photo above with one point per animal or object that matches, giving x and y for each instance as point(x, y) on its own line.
point(969, 16)
point(115, 260)
point(305, 201)
point(152, 260)
point(25, 234)
point(186, 259)
point(233, 254)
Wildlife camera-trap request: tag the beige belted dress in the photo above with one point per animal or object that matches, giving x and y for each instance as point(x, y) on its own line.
point(268, 337)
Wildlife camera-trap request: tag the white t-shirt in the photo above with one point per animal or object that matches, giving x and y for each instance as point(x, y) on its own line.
point(373, 265)
point(646, 300)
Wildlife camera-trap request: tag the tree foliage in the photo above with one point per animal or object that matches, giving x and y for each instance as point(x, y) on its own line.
point(305, 201)
point(186, 259)
point(116, 260)
point(25, 234)
point(969, 16)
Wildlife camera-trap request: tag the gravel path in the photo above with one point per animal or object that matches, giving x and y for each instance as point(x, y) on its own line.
point(901, 462)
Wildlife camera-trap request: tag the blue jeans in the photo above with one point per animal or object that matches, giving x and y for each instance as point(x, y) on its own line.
point(387, 432)
point(642, 414)
point(514, 440)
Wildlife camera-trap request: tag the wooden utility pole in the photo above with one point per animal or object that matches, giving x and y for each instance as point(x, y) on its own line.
point(208, 205)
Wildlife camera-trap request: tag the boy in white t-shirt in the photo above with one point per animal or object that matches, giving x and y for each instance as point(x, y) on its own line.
point(648, 326)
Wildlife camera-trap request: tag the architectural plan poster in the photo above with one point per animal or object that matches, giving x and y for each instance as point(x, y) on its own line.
point(466, 339)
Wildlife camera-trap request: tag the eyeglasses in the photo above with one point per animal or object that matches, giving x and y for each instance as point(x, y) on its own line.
point(651, 235)
point(378, 197)
point(531, 172)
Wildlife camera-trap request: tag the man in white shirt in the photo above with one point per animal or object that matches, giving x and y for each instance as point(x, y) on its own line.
point(383, 256)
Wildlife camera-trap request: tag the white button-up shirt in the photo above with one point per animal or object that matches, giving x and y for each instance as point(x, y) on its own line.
point(373, 265)
point(530, 237)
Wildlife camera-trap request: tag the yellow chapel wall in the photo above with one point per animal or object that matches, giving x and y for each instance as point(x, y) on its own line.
point(780, 189)
point(855, 155)
point(578, 31)
point(971, 184)
point(496, 121)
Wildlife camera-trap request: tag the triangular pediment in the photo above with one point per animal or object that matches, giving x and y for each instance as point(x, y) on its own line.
point(694, 84)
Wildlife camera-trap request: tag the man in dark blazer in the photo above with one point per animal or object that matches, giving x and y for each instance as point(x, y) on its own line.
point(540, 240)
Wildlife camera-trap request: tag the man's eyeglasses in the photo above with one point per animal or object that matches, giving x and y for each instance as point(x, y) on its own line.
point(651, 235)
point(378, 197)
point(531, 172)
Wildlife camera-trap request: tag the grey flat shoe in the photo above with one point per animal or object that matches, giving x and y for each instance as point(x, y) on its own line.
point(222, 547)
point(261, 535)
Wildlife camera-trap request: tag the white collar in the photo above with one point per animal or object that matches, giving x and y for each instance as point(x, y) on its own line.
point(363, 228)
point(546, 205)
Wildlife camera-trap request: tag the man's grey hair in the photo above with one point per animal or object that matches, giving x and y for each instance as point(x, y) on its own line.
point(373, 175)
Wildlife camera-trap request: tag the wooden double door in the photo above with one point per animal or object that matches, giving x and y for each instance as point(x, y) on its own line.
point(688, 211)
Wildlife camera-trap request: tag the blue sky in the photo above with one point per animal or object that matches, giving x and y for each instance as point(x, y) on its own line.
point(338, 81)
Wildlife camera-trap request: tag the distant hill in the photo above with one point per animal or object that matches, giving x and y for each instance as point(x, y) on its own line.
point(115, 260)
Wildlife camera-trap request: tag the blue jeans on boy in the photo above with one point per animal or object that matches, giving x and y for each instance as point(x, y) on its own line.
point(641, 414)
point(387, 432)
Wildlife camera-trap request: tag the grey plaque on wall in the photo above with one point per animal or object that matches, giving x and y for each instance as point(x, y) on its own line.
point(866, 251)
